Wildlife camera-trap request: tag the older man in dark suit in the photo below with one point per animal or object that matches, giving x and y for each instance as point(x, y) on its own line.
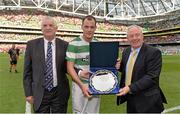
point(45, 83)
point(140, 66)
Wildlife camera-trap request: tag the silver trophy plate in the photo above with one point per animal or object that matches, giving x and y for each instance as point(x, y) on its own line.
point(103, 81)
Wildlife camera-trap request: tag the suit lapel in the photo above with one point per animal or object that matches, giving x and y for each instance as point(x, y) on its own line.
point(127, 55)
point(41, 54)
point(124, 60)
point(57, 53)
point(139, 59)
point(41, 51)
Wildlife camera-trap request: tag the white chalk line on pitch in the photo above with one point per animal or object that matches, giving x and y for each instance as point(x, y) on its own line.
point(28, 108)
point(171, 109)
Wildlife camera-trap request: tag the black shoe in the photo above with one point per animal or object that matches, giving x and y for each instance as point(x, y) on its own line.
point(9, 70)
point(16, 71)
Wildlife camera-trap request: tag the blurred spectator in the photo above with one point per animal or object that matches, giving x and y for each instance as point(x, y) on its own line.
point(13, 58)
point(31, 18)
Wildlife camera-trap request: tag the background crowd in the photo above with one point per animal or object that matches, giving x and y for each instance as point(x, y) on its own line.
point(31, 18)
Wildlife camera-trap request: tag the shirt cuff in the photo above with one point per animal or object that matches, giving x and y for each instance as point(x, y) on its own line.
point(79, 73)
point(130, 92)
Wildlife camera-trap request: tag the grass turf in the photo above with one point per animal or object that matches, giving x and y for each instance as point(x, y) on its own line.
point(12, 98)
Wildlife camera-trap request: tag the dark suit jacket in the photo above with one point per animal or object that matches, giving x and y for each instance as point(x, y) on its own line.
point(34, 68)
point(145, 90)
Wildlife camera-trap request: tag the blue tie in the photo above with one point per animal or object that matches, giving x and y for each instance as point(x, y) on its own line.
point(49, 69)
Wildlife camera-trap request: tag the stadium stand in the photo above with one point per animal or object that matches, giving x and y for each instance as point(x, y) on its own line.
point(31, 18)
point(19, 26)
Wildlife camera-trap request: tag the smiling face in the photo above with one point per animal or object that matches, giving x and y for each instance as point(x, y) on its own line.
point(49, 28)
point(135, 36)
point(88, 27)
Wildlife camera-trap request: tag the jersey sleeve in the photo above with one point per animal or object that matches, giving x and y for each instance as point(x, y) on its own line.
point(71, 52)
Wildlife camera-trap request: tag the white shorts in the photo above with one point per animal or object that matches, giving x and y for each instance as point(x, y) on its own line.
point(82, 104)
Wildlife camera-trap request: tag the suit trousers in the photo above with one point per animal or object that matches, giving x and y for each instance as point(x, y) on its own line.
point(51, 103)
point(133, 108)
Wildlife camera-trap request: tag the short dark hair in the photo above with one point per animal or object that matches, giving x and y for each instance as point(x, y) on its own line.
point(89, 17)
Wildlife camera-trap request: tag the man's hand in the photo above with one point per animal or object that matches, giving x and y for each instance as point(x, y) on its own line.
point(30, 99)
point(118, 64)
point(84, 74)
point(85, 91)
point(123, 91)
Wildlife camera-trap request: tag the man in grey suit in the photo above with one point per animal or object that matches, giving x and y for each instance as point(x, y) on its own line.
point(45, 83)
point(140, 66)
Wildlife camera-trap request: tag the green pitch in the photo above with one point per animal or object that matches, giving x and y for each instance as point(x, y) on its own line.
point(12, 98)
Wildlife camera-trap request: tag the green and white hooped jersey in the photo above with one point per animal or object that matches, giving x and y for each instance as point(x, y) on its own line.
point(78, 52)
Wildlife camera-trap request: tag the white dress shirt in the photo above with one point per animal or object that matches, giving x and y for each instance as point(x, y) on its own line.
point(53, 58)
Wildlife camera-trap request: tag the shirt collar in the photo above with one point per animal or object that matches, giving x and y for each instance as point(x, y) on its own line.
point(137, 49)
point(46, 41)
point(81, 37)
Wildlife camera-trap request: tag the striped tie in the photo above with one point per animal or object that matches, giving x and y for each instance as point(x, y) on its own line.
point(130, 66)
point(49, 69)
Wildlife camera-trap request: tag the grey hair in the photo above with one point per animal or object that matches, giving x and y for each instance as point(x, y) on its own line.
point(134, 26)
point(49, 18)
